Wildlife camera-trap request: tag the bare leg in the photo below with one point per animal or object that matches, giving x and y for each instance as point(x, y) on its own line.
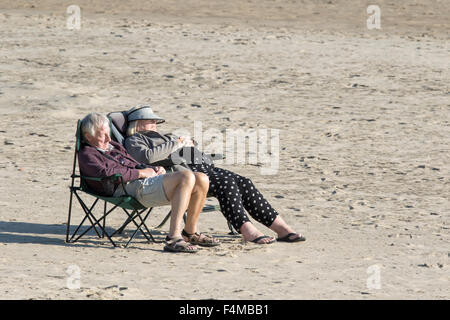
point(178, 188)
point(249, 232)
point(282, 228)
point(195, 207)
point(197, 201)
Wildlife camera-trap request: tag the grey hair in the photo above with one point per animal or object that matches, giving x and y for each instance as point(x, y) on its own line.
point(92, 122)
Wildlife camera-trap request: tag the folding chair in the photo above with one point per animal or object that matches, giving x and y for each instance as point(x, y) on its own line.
point(136, 213)
point(119, 126)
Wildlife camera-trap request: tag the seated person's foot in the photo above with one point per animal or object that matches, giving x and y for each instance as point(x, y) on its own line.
point(200, 239)
point(291, 237)
point(263, 240)
point(250, 233)
point(179, 245)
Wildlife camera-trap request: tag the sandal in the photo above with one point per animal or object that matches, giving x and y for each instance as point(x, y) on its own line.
point(200, 239)
point(287, 238)
point(262, 237)
point(178, 245)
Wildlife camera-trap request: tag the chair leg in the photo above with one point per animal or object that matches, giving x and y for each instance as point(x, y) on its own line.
point(126, 223)
point(145, 226)
point(84, 207)
point(87, 212)
point(132, 218)
point(148, 231)
point(104, 221)
point(96, 222)
point(138, 227)
point(69, 216)
point(164, 220)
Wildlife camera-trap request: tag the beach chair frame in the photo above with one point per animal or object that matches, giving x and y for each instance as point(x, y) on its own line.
point(135, 212)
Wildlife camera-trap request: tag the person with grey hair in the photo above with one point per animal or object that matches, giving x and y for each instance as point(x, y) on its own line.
point(236, 194)
point(150, 185)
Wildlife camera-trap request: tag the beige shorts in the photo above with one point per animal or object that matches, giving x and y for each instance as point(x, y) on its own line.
point(149, 191)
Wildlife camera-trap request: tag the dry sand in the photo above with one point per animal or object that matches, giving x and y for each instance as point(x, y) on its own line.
point(364, 120)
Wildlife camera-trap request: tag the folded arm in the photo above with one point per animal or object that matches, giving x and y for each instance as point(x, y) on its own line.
point(143, 149)
point(93, 164)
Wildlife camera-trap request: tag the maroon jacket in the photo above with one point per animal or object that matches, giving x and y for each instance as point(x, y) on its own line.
point(94, 163)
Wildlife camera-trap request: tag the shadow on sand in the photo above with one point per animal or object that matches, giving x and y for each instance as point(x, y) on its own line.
point(55, 234)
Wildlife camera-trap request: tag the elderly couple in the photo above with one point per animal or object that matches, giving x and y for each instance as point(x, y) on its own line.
point(185, 189)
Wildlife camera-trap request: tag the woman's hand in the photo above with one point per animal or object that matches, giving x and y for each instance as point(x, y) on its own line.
point(186, 141)
point(159, 170)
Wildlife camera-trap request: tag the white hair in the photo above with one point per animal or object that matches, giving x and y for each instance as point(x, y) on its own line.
point(92, 122)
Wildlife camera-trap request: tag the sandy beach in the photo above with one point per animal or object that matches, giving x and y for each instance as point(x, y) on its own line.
point(364, 143)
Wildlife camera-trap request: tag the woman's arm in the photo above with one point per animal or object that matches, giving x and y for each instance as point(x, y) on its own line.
point(144, 149)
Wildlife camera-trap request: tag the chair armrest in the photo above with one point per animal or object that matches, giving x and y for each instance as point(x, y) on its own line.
point(95, 178)
point(112, 177)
